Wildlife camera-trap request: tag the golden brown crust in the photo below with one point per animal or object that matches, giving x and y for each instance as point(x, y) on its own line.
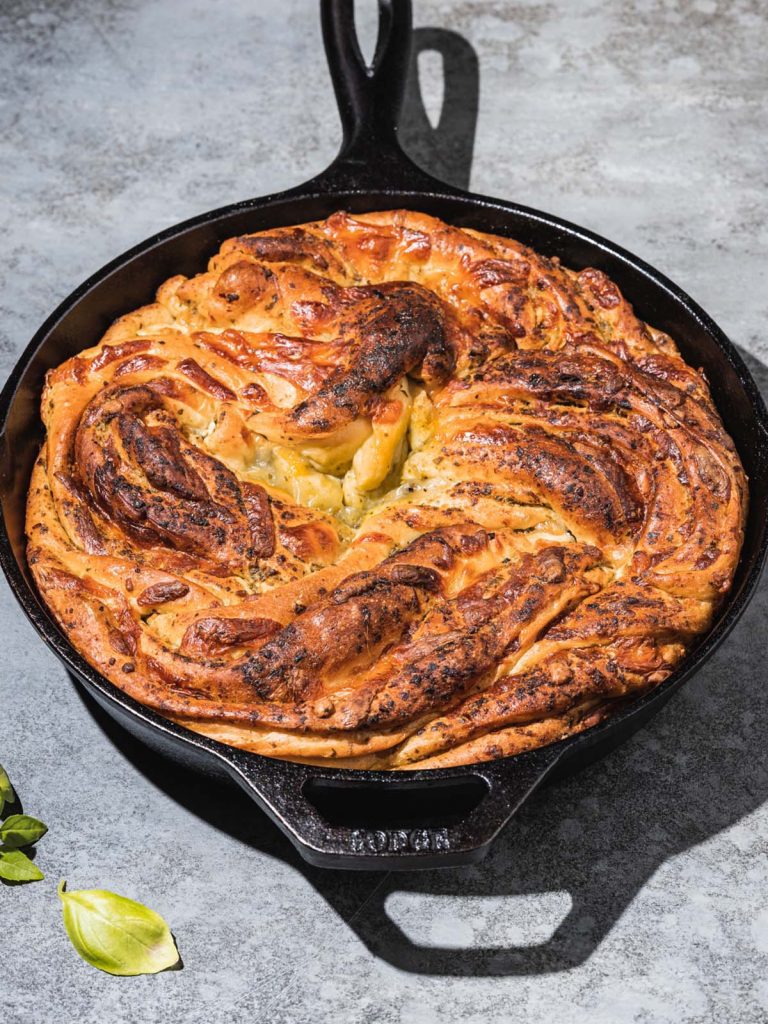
point(384, 491)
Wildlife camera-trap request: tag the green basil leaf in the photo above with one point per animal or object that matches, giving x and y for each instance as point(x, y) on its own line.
point(116, 934)
point(21, 830)
point(7, 796)
point(15, 866)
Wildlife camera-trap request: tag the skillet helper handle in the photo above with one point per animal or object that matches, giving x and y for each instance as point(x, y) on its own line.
point(283, 790)
point(370, 98)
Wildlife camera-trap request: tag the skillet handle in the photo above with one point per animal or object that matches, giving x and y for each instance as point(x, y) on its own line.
point(419, 838)
point(370, 99)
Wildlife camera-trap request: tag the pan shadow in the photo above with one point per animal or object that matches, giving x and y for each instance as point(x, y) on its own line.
point(446, 149)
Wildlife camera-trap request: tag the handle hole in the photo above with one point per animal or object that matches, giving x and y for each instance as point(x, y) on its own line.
point(368, 28)
point(431, 77)
point(398, 805)
point(463, 919)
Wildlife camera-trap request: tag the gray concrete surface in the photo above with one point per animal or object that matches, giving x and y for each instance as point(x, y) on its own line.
point(636, 892)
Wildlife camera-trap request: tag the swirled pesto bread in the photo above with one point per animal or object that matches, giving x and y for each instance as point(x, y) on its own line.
point(384, 492)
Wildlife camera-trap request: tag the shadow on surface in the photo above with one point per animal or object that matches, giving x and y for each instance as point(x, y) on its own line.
point(446, 149)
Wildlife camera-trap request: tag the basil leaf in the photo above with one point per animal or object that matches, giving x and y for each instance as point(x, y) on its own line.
point(116, 934)
point(6, 789)
point(16, 866)
point(21, 830)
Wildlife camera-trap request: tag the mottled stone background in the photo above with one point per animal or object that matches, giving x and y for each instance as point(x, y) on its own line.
point(636, 892)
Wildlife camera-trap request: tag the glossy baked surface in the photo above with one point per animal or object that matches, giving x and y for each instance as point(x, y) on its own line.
point(384, 491)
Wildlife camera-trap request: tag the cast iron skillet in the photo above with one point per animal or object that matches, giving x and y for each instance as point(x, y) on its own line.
point(364, 819)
